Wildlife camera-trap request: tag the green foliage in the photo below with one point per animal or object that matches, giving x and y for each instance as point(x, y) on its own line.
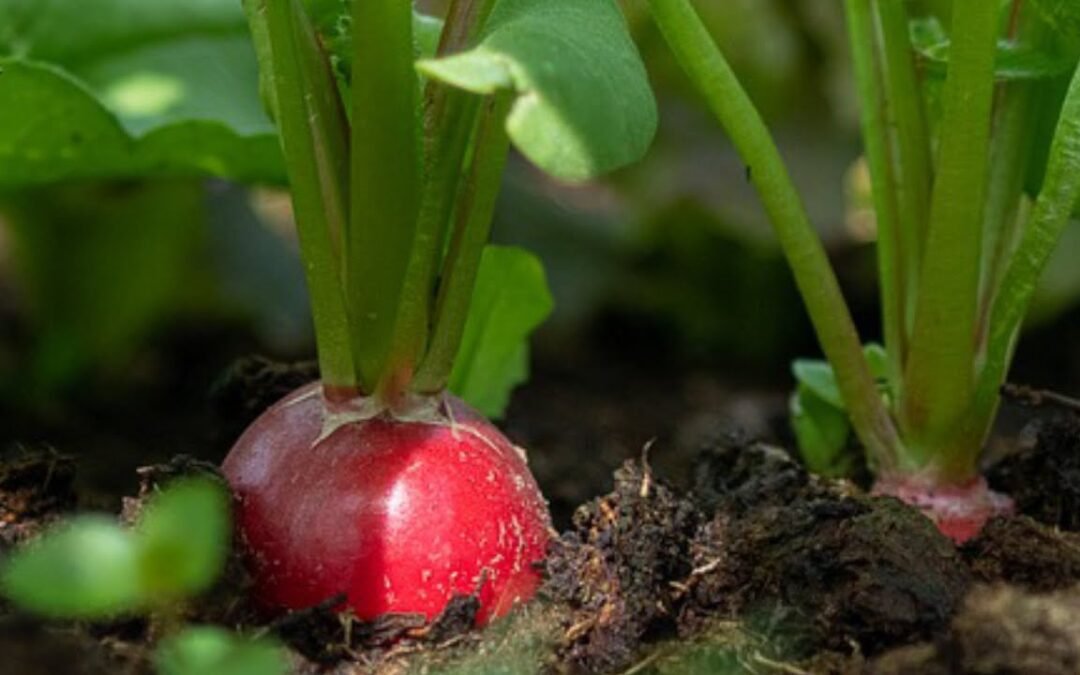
point(130, 88)
point(206, 650)
point(78, 253)
point(86, 568)
point(333, 20)
point(1063, 16)
point(1014, 61)
point(583, 103)
point(819, 417)
point(510, 300)
point(91, 567)
point(183, 539)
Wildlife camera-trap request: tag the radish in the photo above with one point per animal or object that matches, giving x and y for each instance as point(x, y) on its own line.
point(375, 482)
point(399, 515)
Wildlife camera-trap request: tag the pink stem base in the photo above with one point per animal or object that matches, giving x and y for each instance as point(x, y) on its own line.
point(959, 511)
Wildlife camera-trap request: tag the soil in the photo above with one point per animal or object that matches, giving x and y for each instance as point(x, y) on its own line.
point(710, 553)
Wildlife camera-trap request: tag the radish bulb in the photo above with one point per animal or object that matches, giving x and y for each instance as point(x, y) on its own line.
point(399, 513)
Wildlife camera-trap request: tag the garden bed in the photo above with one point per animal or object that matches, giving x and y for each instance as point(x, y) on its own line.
point(710, 552)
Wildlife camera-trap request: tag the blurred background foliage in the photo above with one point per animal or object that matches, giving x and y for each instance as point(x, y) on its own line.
point(671, 261)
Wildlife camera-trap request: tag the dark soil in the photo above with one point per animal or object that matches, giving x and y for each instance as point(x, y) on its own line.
point(1044, 477)
point(743, 563)
point(843, 570)
point(999, 631)
point(36, 489)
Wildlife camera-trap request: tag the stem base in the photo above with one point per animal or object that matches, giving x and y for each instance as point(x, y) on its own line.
point(959, 511)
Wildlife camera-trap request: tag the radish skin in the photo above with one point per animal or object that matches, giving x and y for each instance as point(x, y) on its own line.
point(399, 515)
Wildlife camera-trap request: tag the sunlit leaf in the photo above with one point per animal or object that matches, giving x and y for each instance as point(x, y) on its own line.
point(583, 103)
point(127, 88)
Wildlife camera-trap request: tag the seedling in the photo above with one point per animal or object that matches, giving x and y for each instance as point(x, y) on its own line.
point(376, 482)
point(91, 568)
point(972, 137)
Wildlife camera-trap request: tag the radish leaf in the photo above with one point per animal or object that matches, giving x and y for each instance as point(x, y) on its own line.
point(127, 88)
point(583, 104)
point(511, 299)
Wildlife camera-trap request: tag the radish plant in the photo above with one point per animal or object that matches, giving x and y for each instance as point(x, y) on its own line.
point(972, 138)
point(376, 482)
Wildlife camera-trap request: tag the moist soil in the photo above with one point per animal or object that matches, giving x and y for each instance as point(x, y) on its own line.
point(708, 553)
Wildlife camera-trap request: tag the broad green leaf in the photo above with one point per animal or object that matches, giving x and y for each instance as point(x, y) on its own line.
point(183, 539)
point(1013, 61)
point(129, 88)
point(86, 568)
point(583, 103)
point(511, 299)
point(208, 650)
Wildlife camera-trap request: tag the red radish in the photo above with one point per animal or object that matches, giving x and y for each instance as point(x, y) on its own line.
point(958, 511)
point(398, 514)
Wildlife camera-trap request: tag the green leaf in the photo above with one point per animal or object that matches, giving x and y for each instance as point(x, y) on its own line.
point(510, 300)
point(333, 21)
point(817, 376)
point(819, 417)
point(822, 431)
point(1063, 16)
point(78, 251)
point(183, 539)
point(85, 568)
point(207, 650)
point(128, 88)
point(583, 103)
point(1013, 61)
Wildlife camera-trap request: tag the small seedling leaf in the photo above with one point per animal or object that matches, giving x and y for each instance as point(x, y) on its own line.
point(819, 417)
point(128, 88)
point(821, 431)
point(206, 650)
point(86, 568)
point(817, 377)
point(583, 103)
point(510, 300)
point(183, 539)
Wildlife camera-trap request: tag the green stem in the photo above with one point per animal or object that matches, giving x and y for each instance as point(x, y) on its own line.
point(1008, 168)
point(939, 380)
point(472, 227)
point(868, 80)
point(913, 169)
point(385, 181)
point(1010, 158)
point(312, 125)
point(450, 115)
point(1053, 208)
point(713, 77)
